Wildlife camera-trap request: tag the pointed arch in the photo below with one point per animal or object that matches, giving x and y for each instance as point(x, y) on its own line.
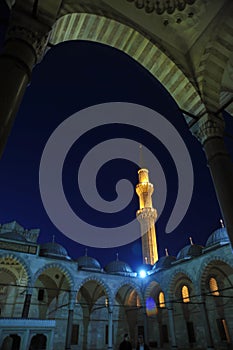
point(22, 262)
point(58, 266)
point(92, 27)
point(180, 273)
point(133, 285)
point(100, 282)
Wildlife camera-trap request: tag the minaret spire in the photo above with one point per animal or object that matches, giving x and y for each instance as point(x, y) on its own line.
point(147, 215)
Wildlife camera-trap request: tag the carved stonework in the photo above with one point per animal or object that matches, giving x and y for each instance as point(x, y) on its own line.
point(146, 213)
point(208, 127)
point(37, 40)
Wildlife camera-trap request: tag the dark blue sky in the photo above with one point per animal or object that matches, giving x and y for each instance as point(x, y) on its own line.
point(73, 76)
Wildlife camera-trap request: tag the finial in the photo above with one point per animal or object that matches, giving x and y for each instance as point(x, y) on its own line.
point(86, 251)
point(191, 240)
point(222, 223)
point(117, 259)
point(166, 252)
point(146, 260)
point(53, 239)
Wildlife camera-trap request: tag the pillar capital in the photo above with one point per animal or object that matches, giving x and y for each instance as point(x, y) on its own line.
point(208, 126)
point(37, 40)
point(29, 29)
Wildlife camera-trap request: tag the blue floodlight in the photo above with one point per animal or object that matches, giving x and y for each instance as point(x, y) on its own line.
point(142, 273)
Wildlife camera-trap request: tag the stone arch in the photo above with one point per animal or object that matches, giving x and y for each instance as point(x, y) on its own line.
point(97, 28)
point(132, 284)
point(206, 265)
point(173, 279)
point(152, 285)
point(22, 262)
point(60, 267)
point(214, 61)
point(99, 281)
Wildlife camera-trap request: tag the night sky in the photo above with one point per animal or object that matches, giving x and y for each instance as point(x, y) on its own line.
point(73, 76)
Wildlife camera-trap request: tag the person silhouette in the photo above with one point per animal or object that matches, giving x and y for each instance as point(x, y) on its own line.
point(125, 344)
point(141, 345)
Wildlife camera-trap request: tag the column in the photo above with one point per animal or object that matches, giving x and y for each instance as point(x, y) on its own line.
point(26, 305)
point(145, 326)
point(209, 131)
point(171, 326)
point(70, 323)
point(110, 313)
point(24, 46)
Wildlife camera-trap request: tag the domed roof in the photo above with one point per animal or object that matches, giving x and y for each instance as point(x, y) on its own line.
point(54, 250)
point(219, 236)
point(164, 262)
point(189, 251)
point(118, 267)
point(13, 236)
point(88, 262)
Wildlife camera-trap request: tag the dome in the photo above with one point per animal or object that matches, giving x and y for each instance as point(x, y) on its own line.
point(219, 236)
point(118, 267)
point(53, 250)
point(13, 236)
point(190, 251)
point(164, 262)
point(88, 262)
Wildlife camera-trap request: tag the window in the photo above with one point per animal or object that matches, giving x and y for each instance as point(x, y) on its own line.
point(185, 294)
point(74, 335)
point(213, 286)
point(40, 296)
point(161, 300)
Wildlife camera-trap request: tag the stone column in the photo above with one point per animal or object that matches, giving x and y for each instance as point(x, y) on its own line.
point(24, 46)
point(171, 326)
point(209, 131)
point(27, 303)
point(110, 313)
point(145, 325)
point(70, 323)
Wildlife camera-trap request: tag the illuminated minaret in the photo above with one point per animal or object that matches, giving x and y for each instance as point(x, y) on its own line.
point(147, 215)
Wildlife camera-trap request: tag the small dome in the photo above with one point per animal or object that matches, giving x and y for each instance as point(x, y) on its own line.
point(164, 262)
point(190, 251)
point(54, 250)
point(219, 236)
point(118, 267)
point(88, 262)
point(13, 236)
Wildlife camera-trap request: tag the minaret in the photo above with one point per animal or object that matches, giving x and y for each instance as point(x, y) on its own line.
point(147, 215)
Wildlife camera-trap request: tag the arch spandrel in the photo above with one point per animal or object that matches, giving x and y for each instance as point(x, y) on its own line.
point(91, 27)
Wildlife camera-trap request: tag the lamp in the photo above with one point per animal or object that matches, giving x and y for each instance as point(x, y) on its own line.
point(161, 6)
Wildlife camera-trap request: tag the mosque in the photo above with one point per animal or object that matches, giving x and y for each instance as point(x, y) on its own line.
point(48, 300)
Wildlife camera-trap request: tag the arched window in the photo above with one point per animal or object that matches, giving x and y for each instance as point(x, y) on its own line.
point(185, 294)
point(161, 299)
point(213, 284)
